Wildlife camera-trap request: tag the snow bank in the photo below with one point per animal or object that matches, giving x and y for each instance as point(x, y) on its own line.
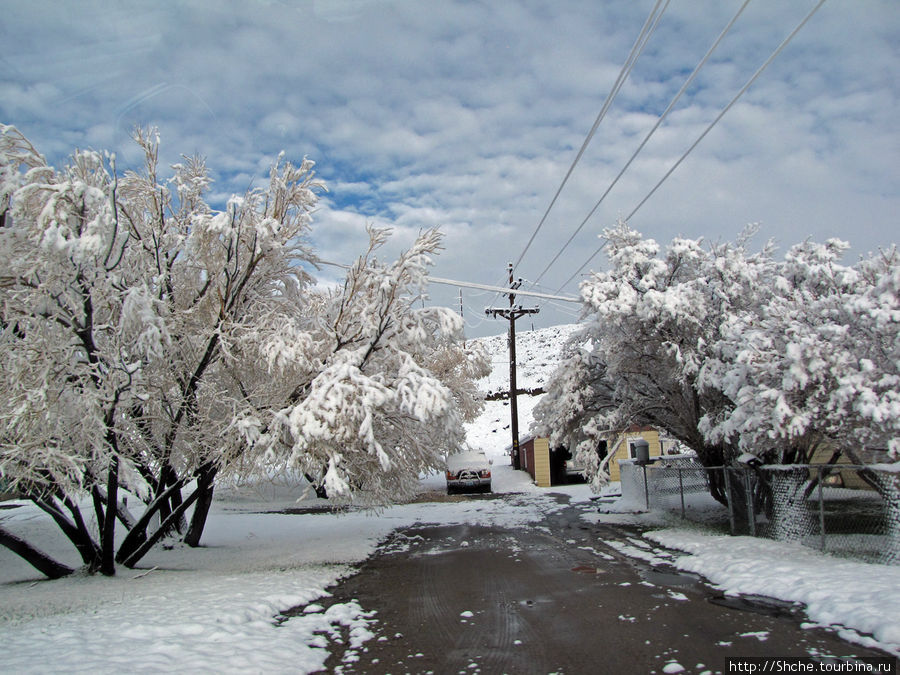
point(862, 597)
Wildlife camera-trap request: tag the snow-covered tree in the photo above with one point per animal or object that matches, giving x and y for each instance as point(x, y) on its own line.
point(732, 352)
point(153, 342)
point(818, 362)
point(578, 397)
point(650, 323)
point(379, 388)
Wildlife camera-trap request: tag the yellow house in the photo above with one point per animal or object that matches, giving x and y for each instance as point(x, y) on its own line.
point(844, 478)
point(623, 448)
point(549, 468)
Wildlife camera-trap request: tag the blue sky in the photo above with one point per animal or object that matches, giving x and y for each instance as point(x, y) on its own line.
point(467, 115)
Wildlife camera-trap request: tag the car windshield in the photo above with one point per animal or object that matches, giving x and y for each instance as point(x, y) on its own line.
point(467, 460)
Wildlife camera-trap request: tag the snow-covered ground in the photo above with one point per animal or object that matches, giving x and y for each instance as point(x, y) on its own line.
point(861, 598)
point(216, 608)
point(219, 607)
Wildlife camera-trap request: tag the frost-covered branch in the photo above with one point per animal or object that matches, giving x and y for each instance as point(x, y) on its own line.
point(731, 351)
point(152, 341)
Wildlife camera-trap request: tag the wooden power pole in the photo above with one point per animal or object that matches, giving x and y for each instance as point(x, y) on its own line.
point(512, 313)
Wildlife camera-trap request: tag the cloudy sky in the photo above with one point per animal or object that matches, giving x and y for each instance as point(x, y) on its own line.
point(467, 114)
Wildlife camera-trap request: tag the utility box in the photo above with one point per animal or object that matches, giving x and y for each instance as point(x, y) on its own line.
point(641, 452)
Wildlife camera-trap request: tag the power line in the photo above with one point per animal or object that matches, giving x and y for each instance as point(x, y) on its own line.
point(705, 132)
point(565, 309)
point(469, 284)
point(636, 49)
point(659, 121)
point(485, 287)
point(562, 309)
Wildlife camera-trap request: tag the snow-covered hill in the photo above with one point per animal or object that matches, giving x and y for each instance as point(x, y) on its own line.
point(537, 355)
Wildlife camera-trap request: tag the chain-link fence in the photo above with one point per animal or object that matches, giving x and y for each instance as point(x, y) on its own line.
point(843, 509)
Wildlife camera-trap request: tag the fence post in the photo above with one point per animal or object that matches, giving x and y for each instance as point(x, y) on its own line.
point(751, 516)
point(681, 490)
point(821, 511)
point(646, 491)
point(728, 497)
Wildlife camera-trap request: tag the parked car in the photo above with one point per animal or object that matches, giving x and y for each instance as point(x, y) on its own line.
point(470, 470)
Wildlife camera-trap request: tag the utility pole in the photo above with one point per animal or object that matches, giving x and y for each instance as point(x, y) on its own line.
point(514, 312)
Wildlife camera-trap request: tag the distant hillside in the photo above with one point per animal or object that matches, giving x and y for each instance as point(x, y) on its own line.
point(537, 355)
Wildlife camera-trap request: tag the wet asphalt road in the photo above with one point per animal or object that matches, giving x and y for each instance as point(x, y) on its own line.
point(552, 597)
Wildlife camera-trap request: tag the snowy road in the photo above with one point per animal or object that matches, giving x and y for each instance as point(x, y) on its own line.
point(557, 596)
point(526, 581)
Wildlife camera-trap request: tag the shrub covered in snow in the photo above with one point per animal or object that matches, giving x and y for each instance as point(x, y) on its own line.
point(817, 361)
point(731, 351)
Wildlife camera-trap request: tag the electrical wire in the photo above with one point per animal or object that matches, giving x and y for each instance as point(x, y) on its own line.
point(545, 301)
point(467, 284)
point(636, 49)
point(568, 311)
point(728, 107)
point(659, 121)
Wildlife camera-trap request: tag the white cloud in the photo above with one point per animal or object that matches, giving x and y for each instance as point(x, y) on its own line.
point(468, 115)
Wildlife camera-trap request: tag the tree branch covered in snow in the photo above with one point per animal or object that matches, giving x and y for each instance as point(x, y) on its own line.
point(818, 362)
point(650, 322)
point(153, 341)
point(730, 351)
point(385, 385)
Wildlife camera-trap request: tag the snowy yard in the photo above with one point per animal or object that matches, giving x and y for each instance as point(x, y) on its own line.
point(171, 329)
point(218, 608)
point(222, 607)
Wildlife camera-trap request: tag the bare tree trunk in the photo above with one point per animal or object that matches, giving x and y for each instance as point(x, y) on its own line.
point(134, 558)
point(321, 492)
point(205, 487)
point(94, 548)
point(75, 531)
point(107, 538)
point(162, 486)
point(37, 559)
point(180, 525)
point(99, 508)
point(122, 513)
point(137, 535)
point(711, 456)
